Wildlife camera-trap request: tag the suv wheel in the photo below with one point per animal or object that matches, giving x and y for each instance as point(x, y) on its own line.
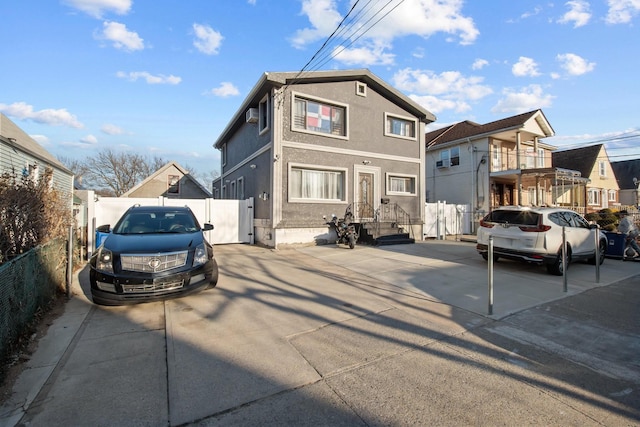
point(555, 267)
point(602, 247)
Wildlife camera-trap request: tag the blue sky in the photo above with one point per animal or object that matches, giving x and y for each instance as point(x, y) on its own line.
point(164, 77)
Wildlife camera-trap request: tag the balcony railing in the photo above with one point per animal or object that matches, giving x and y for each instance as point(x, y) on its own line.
point(508, 160)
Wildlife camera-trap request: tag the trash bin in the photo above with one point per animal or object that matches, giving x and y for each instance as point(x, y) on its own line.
point(615, 244)
point(100, 238)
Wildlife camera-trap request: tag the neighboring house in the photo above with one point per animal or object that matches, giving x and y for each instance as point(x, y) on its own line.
point(172, 181)
point(310, 144)
point(21, 155)
point(495, 164)
point(593, 163)
point(628, 175)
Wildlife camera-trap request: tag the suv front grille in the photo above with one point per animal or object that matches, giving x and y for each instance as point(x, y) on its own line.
point(153, 263)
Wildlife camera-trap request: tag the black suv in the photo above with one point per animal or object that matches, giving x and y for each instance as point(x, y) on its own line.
point(153, 252)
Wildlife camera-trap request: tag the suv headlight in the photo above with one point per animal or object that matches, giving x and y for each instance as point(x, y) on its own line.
point(200, 257)
point(104, 261)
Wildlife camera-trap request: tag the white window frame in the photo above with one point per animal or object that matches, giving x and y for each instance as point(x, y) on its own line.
point(345, 107)
point(224, 192)
point(408, 120)
point(445, 158)
point(264, 115)
point(593, 197)
point(232, 190)
point(319, 168)
point(602, 167)
point(361, 89)
point(223, 154)
point(612, 195)
point(496, 156)
point(451, 156)
point(391, 175)
point(541, 158)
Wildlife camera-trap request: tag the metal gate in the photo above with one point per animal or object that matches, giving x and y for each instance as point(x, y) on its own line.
point(232, 219)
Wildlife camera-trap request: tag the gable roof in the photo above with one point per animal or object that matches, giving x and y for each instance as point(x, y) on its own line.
point(163, 169)
point(271, 80)
point(13, 135)
point(626, 171)
point(533, 123)
point(581, 159)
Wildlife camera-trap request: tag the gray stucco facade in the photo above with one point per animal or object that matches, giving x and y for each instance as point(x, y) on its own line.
point(311, 145)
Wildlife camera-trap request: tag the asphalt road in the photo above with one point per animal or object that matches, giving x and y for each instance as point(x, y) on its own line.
point(328, 336)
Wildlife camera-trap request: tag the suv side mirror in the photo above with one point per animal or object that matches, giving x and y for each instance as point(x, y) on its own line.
point(104, 228)
point(207, 227)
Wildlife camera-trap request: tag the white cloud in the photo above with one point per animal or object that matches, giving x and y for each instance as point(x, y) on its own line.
point(622, 11)
point(579, 13)
point(381, 25)
point(149, 78)
point(120, 36)
point(23, 111)
point(525, 67)
point(574, 65)
point(365, 56)
point(89, 140)
point(41, 139)
point(526, 99)
point(97, 8)
point(110, 129)
point(225, 89)
point(479, 64)
point(444, 91)
point(207, 40)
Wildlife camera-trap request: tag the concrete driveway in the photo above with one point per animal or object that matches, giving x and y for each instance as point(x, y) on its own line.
point(330, 336)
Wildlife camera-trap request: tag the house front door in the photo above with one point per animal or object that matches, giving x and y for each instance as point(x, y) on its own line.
point(367, 191)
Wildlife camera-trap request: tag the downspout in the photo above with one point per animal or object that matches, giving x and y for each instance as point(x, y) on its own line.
point(519, 189)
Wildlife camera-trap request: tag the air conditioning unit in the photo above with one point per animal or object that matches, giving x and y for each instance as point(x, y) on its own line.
point(442, 163)
point(252, 115)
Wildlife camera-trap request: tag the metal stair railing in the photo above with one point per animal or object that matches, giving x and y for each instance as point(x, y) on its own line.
point(385, 213)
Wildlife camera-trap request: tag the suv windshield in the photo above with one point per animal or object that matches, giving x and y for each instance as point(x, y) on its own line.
point(513, 217)
point(156, 222)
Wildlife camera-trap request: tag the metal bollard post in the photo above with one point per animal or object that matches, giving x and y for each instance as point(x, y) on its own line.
point(69, 262)
point(597, 234)
point(564, 259)
point(490, 263)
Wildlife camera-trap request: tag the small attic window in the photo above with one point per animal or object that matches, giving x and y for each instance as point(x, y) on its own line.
point(361, 89)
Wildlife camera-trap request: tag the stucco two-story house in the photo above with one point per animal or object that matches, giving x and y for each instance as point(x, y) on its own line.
point(495, 164)
point(308, 145)
point(171, 181)
point(21, 155)
point(593, 163)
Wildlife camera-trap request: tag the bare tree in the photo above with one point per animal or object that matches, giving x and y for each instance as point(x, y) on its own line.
point(114, 172)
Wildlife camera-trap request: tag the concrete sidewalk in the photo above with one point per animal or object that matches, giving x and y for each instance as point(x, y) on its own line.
point(325, 335)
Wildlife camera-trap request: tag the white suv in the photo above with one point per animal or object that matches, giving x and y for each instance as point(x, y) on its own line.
point(535, 235)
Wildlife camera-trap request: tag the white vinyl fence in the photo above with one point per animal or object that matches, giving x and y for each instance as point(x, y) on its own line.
point(232, 219)
point(442, 219)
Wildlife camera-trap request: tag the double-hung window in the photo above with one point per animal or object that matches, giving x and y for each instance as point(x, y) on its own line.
point(263, 114)
point(319, 117)
point(316, 184)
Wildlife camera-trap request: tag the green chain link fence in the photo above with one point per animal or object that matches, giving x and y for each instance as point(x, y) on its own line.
point(28, 283)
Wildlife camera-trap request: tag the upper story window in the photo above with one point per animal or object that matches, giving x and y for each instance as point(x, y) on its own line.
point(540, 157)
point(602, 166)
point(173, 183)
point(223, 154)
point(455, 156)
point(263, 114)
point(400, 126)
point(319, 117)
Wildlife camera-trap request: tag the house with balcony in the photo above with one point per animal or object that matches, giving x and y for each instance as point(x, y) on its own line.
point(500, 163)
point(601, 189)
point(313, 144)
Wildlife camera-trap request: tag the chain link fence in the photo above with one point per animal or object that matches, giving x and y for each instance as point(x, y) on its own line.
point(27, 284)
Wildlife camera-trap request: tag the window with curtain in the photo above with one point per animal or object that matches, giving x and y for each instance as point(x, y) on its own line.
point(316, 184)
point(396, 126)
point(319, 117)
point(401, 185)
